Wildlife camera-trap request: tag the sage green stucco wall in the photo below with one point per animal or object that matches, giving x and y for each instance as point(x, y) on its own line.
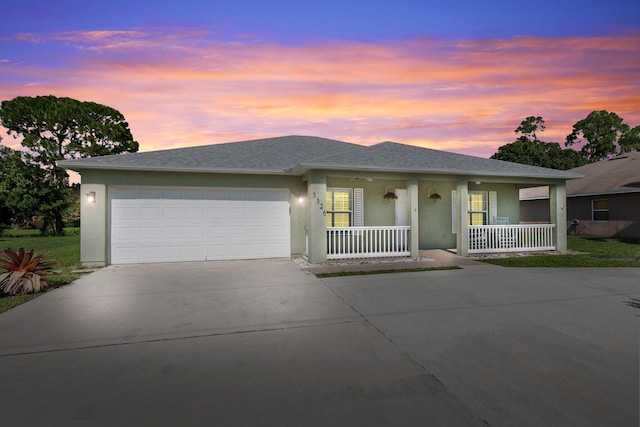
point(93, 226)
point(95, 217)
point(435, 217)
point(377, 210)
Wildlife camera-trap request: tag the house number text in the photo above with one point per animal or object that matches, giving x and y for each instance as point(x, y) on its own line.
point(320, 205)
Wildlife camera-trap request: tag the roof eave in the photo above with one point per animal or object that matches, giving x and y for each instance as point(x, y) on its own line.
point(80, 168)
point(595, 193)
point(303, 168)
point(603, 193)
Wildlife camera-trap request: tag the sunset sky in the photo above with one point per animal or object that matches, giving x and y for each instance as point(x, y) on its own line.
point(456, 75)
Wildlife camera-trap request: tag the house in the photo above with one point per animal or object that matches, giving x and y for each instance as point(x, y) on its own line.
point(303, 195)
point(604, 203)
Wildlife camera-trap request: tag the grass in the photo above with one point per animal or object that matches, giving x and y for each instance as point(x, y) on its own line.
point(65, 250)
point(586, 252)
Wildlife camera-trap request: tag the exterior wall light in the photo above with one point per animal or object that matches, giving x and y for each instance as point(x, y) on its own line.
point(300, 199)
point(91, 197)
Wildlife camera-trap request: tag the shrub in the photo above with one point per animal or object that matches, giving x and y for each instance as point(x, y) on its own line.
point(24, 271)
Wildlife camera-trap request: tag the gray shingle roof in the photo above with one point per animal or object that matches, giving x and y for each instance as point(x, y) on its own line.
point(619, 174)
point(391, 156)
point(297, 154)
point(269, 155)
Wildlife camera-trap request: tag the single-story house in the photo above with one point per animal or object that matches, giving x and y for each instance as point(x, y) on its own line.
point(604, 203)
point(306, 196)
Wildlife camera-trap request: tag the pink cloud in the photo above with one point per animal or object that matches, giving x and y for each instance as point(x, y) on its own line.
point(181, 88)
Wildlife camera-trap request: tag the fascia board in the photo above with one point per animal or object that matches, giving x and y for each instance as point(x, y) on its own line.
point(303, 168)
point(80, 168)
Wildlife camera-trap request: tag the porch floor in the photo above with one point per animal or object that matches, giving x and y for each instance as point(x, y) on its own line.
point(428, 259)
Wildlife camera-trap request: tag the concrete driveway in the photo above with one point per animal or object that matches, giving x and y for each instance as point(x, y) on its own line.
point(264, 343)
point(520, 347)
point(217, 343)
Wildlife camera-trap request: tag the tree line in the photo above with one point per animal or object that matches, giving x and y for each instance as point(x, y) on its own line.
point(51, 129)
point(600, 135)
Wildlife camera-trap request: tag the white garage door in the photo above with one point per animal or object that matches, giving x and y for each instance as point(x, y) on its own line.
point(161, 225)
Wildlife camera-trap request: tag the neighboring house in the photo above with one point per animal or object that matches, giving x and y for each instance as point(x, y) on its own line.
point(604, 203)
point(301, 195)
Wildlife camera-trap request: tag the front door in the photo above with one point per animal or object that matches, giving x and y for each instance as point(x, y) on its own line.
point(402, 211)
point(402, 216)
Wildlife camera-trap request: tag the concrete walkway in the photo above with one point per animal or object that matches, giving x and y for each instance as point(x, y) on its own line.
point(433, 258)
point(241, 343)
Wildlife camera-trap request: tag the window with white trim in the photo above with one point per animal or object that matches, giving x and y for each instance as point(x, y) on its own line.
point(339, 207)
point(478, 208)
point(600, 210)
point(482, 208)
point(345, 207)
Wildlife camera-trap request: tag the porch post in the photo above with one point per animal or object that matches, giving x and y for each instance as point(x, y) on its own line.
point(558, 214)
point(317, 193)
point(412, 186)
point(462, 239)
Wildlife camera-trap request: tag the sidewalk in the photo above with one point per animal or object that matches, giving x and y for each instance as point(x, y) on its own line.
point(432, 258)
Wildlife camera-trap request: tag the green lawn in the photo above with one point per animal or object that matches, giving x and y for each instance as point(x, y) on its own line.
point(65, 250)
point(585, 252)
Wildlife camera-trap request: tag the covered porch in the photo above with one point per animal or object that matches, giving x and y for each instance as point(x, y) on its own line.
point(451, 218)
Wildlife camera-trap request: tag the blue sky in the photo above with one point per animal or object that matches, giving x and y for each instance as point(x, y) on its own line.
point(455, 75)
point(295, 21)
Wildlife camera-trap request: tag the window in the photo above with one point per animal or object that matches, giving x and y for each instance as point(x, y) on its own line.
point(482, 208)
point(339, 207)
point(600, 210)
point(478, 208)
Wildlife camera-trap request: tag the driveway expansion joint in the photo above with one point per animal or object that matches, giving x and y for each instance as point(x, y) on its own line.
point(178, 338)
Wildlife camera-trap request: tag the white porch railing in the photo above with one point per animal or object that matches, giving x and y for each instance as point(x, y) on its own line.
point(367, 242)
point(511, 238)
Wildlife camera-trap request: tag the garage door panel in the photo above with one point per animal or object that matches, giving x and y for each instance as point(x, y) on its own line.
point(149, 233)
point(148, 212)
point(171, 233)
point(239, 233)
point(216, 232)
point(126, 252)
point(151, 225)
point(124, 234)
point(172, 224)
point(195, 233)
point(197, 213)
point(125, 211)
point(216, 251)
